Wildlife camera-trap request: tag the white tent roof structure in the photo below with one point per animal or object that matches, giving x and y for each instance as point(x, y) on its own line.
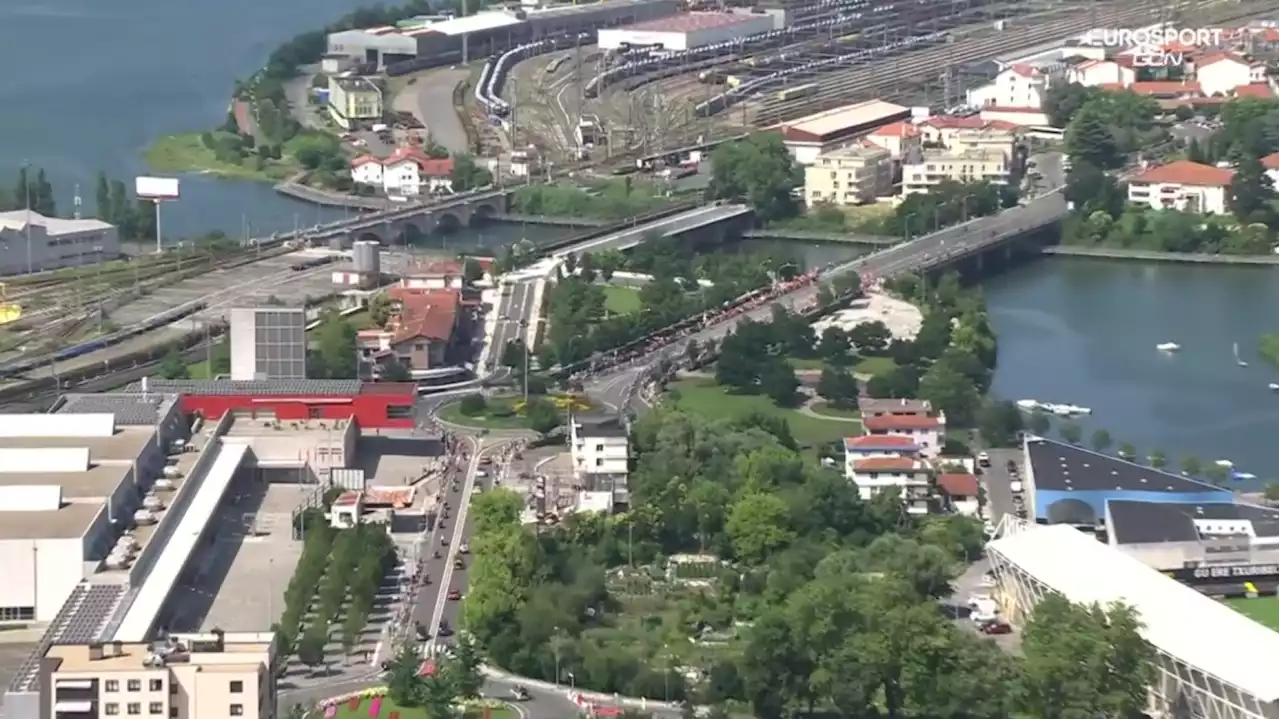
point(1183, 623)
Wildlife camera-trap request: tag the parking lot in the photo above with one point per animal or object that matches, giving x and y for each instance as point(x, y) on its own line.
point(997, 481)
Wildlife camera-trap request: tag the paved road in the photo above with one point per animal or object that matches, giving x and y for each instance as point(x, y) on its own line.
point(430, 99)
point(996, 480)
point(514, 314)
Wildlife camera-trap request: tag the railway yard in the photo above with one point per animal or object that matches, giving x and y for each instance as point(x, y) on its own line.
point(689, 101)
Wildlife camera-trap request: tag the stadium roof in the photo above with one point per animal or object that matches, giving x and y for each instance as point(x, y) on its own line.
point(1059, 466)
point(843, 121)
point(1177, 619)
point(1144, 522)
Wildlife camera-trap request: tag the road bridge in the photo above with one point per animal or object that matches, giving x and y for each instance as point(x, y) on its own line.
point(708, 218)
point(806, 236)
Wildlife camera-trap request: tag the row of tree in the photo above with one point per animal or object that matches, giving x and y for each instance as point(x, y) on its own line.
point(615, 200)
point(358, 560)
point(820, 600)
point(318, 537)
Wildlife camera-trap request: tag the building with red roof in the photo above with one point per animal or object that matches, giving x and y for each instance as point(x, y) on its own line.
point(908, 475)
point(407, 172)
point(421, 331)
point(960, 491)
point(925, 430)
point(1182, 185)
point(1220, 73)
point(1019, 86)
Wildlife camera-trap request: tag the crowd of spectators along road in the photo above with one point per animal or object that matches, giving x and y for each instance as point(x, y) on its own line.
point(644, 350)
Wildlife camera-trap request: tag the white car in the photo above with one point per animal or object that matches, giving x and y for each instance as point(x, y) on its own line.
point(984, 459)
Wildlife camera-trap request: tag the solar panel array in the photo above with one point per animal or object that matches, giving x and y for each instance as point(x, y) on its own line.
point(129, 409)
point(225, 387)
point(77, 622)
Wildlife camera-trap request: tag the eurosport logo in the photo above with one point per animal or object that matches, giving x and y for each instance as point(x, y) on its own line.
point(1148, 46)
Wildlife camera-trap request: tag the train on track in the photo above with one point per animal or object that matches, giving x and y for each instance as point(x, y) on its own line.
point(313, 263)
point(494, 73)
point(17, 369)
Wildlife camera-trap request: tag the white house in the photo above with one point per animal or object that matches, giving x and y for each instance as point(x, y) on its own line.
point(598, 446)
point(925, 431)
point(1183, 185)
point(408, 172)
point(897, 138)
point(960, 491)
point(1092, 73)
point(1221, 73)
point(1018, 86)
point(910, 476)
point(876, 446)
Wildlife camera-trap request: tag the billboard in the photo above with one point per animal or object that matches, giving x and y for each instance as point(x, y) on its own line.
point(1224, 573)
point(156, 188)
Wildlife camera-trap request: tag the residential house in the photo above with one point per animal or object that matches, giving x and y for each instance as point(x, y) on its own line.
point(1271, 165)
point(932, 167)
point(354, 101)
point(1092, 73)
point(897, 138)
point(928, 432)
point(420, 332)
point(1183, 185)
point(434, 274)
point(960, 491)
point(1220, 73)
point(407, 172)
point(600, 450)
point(873, 446)
point(909, 475)
point(894, 407)
point(1020, 86)
point(849, 176)
point(998, 137)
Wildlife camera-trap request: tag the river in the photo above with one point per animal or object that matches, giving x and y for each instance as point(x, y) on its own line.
point(90, 84)
point(1085, 332)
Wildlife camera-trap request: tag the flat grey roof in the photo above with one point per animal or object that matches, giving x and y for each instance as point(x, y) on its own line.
point(1147, 522)
point(70, 520)
point(123, 446)
point(1061, 467)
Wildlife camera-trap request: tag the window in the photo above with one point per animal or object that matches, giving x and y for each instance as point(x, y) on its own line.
point(156, 685)
point(237, 710)
point(17, 614)
point(134, 708)
point(111, 685)
point(599, 447)
point(111, 709)
point(313, 412)
point(173, 712)
point(135, 685)
point(399, 411)
point(155, 708)
point(237, 687)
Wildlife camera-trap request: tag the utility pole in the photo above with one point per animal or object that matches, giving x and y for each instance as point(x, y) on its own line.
point(26, 188)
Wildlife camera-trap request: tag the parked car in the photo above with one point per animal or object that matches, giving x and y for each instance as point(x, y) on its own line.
point(984, 459)
point(455, 595)
point(996, 627)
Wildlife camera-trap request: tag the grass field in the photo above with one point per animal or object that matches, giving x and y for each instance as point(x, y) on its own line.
point(1264, 610)
point(621, 300)
point(384, 712)
point(828, 410)
point(705, 397)
point(863, 368)
point(185, 152)
point(499, 415)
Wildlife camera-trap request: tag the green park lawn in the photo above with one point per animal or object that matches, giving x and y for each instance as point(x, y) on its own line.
point(1264, 610)
point(500, 414)
point(621, 300)
point(825, 409)
point(706, 398)
point(863, 368)
point(473, 712)
point(185, 152)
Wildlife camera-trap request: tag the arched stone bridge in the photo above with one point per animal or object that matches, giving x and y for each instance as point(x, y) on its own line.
point(404, 225)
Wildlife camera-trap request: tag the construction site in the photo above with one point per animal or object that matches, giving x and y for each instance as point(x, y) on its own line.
point(629, 96)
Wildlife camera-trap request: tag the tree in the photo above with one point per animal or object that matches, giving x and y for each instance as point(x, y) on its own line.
point(1089, 140)
point(999, 423)
point(403, 684)
point(1250, 192)
point(838, 387)
point(541, 416)
point(102, 199)
point(1101, 440)
point(473, 405)
point(1217, 473)
point(467, 175)
point(951, 392)
point(758, 170)
point(335, 355)
point(1038, 423)
point(380, 309)
point(778, 382)
point(1191, 465)
point(1157, 459)
point(220, 359)
point(394, 371)
point(466, 675)
point(757, 526)
point(311, 645)
point(1126, 450)
point(608, 262)
point(834, 346)
point(513, 354)
point(1271, 491)
point(870, 338)
point(173, 366)
point(1071, 432)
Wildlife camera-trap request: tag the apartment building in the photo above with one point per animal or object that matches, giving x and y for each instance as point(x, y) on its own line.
point(995, 138)
point(354, 101)
point(931, 167)
point(910, 476)
point(599, 445)
point(197, 676)
point(1183, 185)
point(849, 176)
point(926, 432)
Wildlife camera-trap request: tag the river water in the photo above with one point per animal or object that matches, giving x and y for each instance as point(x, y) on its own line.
point(1085, 332)
point(89, 84)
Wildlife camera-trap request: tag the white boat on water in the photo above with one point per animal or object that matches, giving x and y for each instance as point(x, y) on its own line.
point(1065, 410)
point(1274, 386)
point(1168, 346)
point(1027, 404)
point(1235, 349)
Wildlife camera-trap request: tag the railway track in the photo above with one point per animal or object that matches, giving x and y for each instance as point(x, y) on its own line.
point(882, 78)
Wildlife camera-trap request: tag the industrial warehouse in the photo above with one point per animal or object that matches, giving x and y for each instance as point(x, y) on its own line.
point(686, 32)
point(124, 516)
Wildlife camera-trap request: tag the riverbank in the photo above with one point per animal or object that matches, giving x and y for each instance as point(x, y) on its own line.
point(1120, 253)
point(187, 152)
point(1269, 348)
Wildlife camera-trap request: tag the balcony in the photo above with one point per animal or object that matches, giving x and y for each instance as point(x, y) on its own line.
point(79, 709)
